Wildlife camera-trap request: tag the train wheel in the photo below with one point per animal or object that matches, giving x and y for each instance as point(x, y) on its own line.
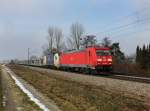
point(87, 71)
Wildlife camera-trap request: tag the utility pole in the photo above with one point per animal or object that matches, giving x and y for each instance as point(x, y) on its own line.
point(28, 55)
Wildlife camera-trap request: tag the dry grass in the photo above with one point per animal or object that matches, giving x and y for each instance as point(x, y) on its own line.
point(24, 101)
point(74, 96)
point(1, 96)
point(16, 100)
point(131, 69)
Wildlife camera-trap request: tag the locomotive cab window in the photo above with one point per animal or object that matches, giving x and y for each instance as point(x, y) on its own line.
point(102, 52)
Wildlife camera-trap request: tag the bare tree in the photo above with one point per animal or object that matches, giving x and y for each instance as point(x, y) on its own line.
point(106, 42)
point(63, 46)
point(58, 37)
point(77, 31)
point(69, 43)
point(45, 49)
point(50, 37)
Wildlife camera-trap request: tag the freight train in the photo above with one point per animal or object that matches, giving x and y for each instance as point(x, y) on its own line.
point(85, 60)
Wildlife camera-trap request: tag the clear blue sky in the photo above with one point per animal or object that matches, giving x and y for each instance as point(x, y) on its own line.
point(24, 23)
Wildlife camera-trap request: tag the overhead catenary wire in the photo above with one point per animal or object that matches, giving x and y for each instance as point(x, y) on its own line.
point(128, 26)
point(137, 21)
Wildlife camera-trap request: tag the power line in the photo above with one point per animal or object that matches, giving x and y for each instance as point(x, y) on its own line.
point(130, 33)
point(126, 25)
point(117, 35)
point(137, 12)
point(132, 23)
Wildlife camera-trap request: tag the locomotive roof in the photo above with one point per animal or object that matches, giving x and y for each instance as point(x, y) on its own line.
point(97, 48)
point(100, 47)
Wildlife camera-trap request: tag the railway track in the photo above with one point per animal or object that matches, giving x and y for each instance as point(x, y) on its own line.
point(113, 75)
point(128, 77)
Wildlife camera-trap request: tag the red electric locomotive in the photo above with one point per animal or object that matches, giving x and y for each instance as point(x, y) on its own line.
point(91, 58)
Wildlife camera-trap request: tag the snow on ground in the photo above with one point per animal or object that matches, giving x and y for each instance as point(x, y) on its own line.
point(29, 94)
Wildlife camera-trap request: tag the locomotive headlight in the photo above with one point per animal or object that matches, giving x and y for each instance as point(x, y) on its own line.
point(110, 60)
point(99, 60)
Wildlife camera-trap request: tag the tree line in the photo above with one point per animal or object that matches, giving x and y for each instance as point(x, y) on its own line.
point(118, 55)
point(78, 40)
point(57, 42)
point(143, 56)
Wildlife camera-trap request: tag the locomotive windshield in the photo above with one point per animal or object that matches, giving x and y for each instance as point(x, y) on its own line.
point(103, 52)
